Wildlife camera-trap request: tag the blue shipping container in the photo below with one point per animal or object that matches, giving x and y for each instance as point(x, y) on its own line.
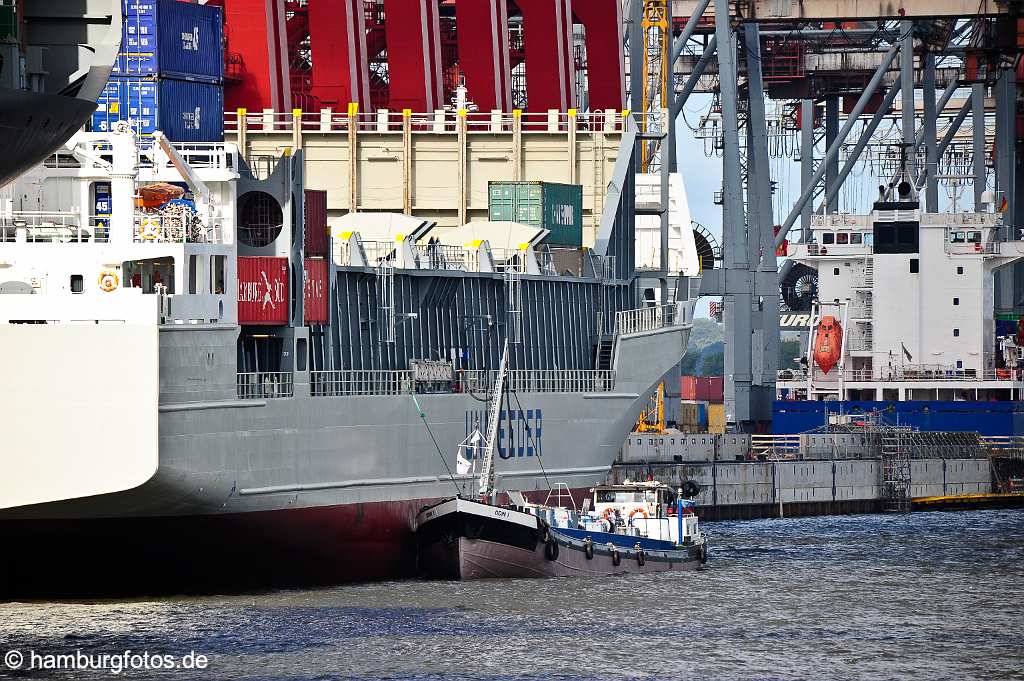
point(171, 39)
point(184, 111)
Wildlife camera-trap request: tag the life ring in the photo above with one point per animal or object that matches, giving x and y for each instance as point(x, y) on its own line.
point(588, 548)
point(149, 229)
point(108, 281)
point(551, 550)
point(616, 557)
point(635, 511)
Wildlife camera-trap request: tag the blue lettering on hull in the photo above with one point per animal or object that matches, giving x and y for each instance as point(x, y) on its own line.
point(520, 431)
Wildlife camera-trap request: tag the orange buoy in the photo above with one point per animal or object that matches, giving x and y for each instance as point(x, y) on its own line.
point(828, 343)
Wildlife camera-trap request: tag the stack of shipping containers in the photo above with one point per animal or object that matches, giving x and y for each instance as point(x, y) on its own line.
point(701, 409)
point(169, 74)
point(315, 295)
point(264, 287)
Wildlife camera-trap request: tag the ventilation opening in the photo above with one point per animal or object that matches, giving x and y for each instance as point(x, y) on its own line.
point(260, 219)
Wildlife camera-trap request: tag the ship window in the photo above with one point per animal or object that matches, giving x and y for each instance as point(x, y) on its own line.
point(148, 274)
point(195, 274)
point(915, 265)
point(956, 237)
point(77, 283)
point(843, 238)
point(956, 301)
point(856, 238)
point(300, 354)
point(835, 271)
point(959, 364)
point(828, 238)
point(217, 273)
point(974, 237)
point(956, 332)
point(959, 270)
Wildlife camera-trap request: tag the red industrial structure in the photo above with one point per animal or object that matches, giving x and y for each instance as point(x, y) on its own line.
point(340, 69)
point(411, 54)
point(483, 53)
point(257, 72)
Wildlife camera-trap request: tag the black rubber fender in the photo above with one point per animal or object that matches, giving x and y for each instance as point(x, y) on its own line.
point(640, 557)
point(616, 558)
point(545, 533)
point(588, 548)
point(551, 549)
point(704, 553)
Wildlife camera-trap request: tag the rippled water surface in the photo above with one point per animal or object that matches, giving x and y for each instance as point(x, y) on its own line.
point(926, 596)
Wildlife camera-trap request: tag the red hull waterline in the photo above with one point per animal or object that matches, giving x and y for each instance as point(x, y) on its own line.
point(206, 554)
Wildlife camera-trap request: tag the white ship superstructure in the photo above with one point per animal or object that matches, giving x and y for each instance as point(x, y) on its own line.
point(913, 292)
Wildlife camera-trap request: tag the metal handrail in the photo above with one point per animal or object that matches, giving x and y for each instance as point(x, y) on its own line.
point(53, 227)
point(344, 382)
point(260, 385)
point(646, 319)
point(922, 374)
point(172, 229)
point(441, 121)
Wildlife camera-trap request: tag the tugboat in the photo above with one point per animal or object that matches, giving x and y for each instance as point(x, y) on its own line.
point(632, 527)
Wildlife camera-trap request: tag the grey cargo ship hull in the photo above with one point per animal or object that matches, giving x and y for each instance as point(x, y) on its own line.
point(305, 490)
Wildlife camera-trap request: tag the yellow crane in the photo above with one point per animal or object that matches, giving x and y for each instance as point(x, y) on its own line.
point(652, 418)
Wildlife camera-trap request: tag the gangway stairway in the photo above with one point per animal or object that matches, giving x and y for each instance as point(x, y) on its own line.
point(896, 469)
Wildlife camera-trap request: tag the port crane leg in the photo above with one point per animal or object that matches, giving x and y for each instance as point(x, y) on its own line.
point(761, 240)
point(734, 287)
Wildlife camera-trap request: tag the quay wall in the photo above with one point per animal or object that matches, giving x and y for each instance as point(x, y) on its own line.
point(741, 489)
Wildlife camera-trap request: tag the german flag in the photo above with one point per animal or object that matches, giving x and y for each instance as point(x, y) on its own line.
point(1004, 205)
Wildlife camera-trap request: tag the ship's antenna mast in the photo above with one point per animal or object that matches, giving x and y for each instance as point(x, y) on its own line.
point(493, 412)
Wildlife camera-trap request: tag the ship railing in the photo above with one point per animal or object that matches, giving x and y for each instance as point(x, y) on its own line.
point(440, 257)
point(539, 380)
point(916, 374)
point(344, 382)
point(446, 121)
point(53, 227)
point(991, 247)
point(261, 385)
point(647, 319)
point(198, 155)
point(177, 229)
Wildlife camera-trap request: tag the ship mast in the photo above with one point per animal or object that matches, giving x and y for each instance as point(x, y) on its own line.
point(486, 489)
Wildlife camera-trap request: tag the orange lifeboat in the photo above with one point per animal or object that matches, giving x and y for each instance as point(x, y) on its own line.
point(828, 343)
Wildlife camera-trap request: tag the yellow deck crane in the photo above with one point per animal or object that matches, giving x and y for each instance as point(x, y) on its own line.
point(652, 418)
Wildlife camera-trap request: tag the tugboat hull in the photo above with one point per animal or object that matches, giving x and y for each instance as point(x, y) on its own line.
point(468, 559)
point(460, 539)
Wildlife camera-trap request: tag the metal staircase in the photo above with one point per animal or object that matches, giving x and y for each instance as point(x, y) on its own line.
point(514, 268)
point(486, 488)
point(386, 300)
point(896, 469)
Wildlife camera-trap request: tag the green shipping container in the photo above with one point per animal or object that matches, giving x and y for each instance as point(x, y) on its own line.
point(553, 206)
point(8, 21)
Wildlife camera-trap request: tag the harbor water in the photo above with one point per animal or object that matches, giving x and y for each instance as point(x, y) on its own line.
point(922, 596)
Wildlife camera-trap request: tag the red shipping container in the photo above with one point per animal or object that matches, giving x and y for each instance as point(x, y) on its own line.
point(315, 291)
point(716, 390)
point(262, 290)
point(688, 389)
point(703, 389)
point(315, 223)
